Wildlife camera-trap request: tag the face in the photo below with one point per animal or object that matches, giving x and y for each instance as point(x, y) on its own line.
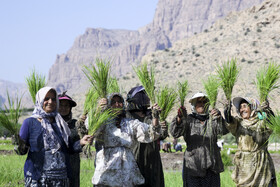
point(64, 107)
point(117, 104)
point(245, 110)
point(49, 104)
point(200, 105)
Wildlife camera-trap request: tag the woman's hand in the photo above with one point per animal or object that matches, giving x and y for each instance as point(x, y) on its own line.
point(215, 113)
point(102, 103)
point(87, 139)
point(155, 111)
point(182, 112)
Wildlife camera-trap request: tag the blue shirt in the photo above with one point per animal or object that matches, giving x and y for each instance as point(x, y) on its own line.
point(32, 133)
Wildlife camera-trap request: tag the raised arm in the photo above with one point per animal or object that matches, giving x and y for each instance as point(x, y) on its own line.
point(178, 124)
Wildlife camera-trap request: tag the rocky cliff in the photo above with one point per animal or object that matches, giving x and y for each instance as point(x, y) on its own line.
point(251, 36)
point(173, 21)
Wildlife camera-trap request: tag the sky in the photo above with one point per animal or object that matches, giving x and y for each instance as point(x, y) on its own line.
point(33, 32)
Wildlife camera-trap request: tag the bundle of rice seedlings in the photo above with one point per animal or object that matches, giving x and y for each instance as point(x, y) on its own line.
point(182, 91)
point(35, 82)
point(10, 115)
point(273, 122)
point(99, 76)
point(267, 80)
point(147, 79)
point(98, 118)
point(211, 86)
point(114, 86)
point(166, 98)
point(228, 74)
point(91, 99)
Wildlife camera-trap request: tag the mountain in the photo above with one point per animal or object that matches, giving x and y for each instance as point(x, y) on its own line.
point(15, 90)
point(251, 36)
point(173, 20)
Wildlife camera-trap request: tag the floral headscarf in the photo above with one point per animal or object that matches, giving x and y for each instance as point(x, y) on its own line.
point(253, 103)
point(51, 140)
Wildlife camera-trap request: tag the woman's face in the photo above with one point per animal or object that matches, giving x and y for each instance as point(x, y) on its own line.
point(117, 104)
point(49, 104)
point(200, 105)
point(64, 107)
point(245, 110)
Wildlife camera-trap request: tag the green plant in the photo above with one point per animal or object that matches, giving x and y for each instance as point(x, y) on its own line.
point(267, 80)
point(98, 117)
point(99, 76)
point(147, 79)
point(228, 74)
point(182, 91)
point(114, 86)
point(10, 115)
point(35, 82)
point(227, 161)
point(166, 98)
point(211, 86)
point(91, 99)
point(273, 122)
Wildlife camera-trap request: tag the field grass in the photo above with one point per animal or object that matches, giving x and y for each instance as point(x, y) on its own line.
point(11, 170)
point(11, 173)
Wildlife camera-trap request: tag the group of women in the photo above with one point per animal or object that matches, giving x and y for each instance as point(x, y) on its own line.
point(129, 143)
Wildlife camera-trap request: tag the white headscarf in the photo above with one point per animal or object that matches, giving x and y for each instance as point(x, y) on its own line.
point(50, 137)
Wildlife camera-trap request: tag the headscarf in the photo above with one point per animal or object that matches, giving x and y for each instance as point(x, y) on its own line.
point(50, 137)
point(193, 100)
point(137, 100)
point(253, 104)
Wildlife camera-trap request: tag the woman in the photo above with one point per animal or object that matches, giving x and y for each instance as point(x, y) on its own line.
point(146, 155)
point(115, 163)
point(66, 104)
point(202, 158)
point(45, 136)
point(253, 164)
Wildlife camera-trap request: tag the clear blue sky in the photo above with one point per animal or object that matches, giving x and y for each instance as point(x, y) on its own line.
point(33, 32)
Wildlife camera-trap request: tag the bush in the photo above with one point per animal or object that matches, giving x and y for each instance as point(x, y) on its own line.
point(226, 159)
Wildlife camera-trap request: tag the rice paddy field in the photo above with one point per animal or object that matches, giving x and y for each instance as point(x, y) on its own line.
point(11, 170)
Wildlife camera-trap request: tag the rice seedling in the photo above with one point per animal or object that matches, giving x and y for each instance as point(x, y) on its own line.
point(182, 92)
point(98, 117)
point(273, 122)
point(211, 86)
point(166, 98)
point(113, 86)
point(91, 100)
point(35, 82)
point(147, 79)
point(10, 115)
point(267, 80)
point(99, 76)
point(228, 74)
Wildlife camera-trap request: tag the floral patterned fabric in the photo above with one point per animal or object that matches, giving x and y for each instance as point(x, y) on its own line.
point(115, 163)
point(253, 163)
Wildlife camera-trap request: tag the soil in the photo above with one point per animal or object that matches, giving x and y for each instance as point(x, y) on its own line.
point(174, 161)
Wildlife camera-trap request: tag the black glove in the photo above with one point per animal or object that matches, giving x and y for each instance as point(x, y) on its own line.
point(182, 112)
point(227, 112)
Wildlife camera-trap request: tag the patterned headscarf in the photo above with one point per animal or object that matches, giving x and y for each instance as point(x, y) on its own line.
point(253, 103)
point(50, 137)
